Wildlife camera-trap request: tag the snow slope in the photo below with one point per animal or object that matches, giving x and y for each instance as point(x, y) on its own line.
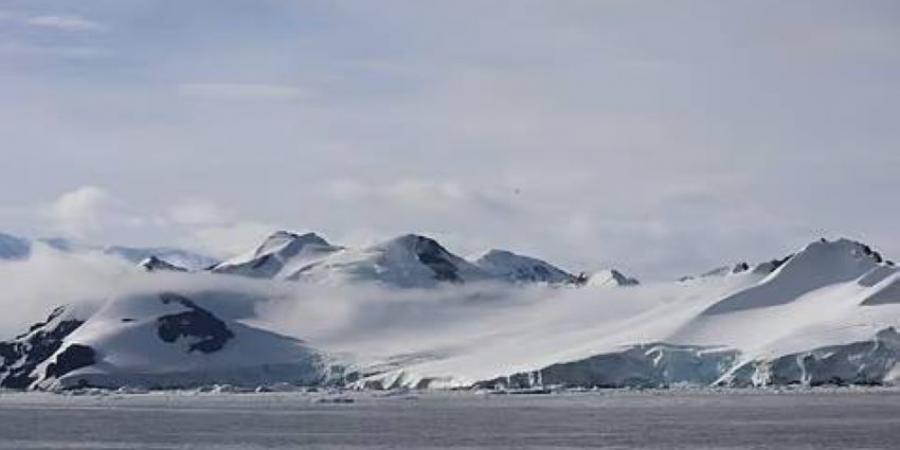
point(830, 298)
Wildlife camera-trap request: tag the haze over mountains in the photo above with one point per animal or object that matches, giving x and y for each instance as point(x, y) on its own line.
point(409, 313)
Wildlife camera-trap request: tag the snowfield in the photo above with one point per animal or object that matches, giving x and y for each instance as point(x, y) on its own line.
point(408, 313)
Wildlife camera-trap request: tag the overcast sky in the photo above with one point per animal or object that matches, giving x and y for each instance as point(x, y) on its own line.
point(661, 137)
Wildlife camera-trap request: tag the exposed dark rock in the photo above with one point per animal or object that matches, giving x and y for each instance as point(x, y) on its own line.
point(73, 357)
point(875, 255)
point(773, 265)
point(194, 323)
point(24, 353)
point(430, 253)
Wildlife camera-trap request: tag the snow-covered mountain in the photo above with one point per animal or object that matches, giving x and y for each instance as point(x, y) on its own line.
point(154, 264)
point(828, 313)
point(154, 340)
point(610, 278)
point(281, 255)
point(407, 261)
point(517, 268)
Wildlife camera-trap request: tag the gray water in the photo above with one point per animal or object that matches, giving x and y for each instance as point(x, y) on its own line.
point(623, 420)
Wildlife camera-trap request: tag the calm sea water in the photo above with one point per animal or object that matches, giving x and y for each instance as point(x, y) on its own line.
point(622, 420)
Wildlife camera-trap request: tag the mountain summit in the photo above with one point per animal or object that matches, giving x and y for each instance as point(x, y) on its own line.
point(410, 260)
point(518, 268)
point(278, 256)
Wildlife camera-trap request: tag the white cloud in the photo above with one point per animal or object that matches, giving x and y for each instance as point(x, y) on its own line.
point(231, 239)
point(66, 23)
point(197, 212)
point(243, 91)
point(417, 195)
point(596, 127)
point(81, 212)
point(73, 52)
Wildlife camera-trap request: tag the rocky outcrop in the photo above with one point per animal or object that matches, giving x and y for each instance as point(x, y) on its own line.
point(20, 357)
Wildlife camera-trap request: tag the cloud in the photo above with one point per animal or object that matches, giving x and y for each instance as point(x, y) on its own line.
point(243, 91)
point(81, 212)
point(66, 23)
point(197, 212)
point(418, 195)
point(72, 52)
point(433, 116)
point(231, 239)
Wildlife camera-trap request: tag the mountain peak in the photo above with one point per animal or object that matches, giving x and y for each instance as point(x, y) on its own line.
point(843, 251)
point(854, 248)
point(611, 277)
point(409, 240)
point(285, 241)
point(427, 251)
point(154, 264)
point(514, 267)
point(280, 254)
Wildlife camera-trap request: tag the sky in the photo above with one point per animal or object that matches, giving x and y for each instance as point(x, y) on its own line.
point(659, 137)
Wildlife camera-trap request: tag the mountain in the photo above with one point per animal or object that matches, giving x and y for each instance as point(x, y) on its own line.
point(817, 265)
point(407, 261)
point(13, 248)
point(609, 278)
point(279, 256)
point(154, 264)
point(517, 268)
point(828, 314)
point(178, 257)
point(154, 340)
